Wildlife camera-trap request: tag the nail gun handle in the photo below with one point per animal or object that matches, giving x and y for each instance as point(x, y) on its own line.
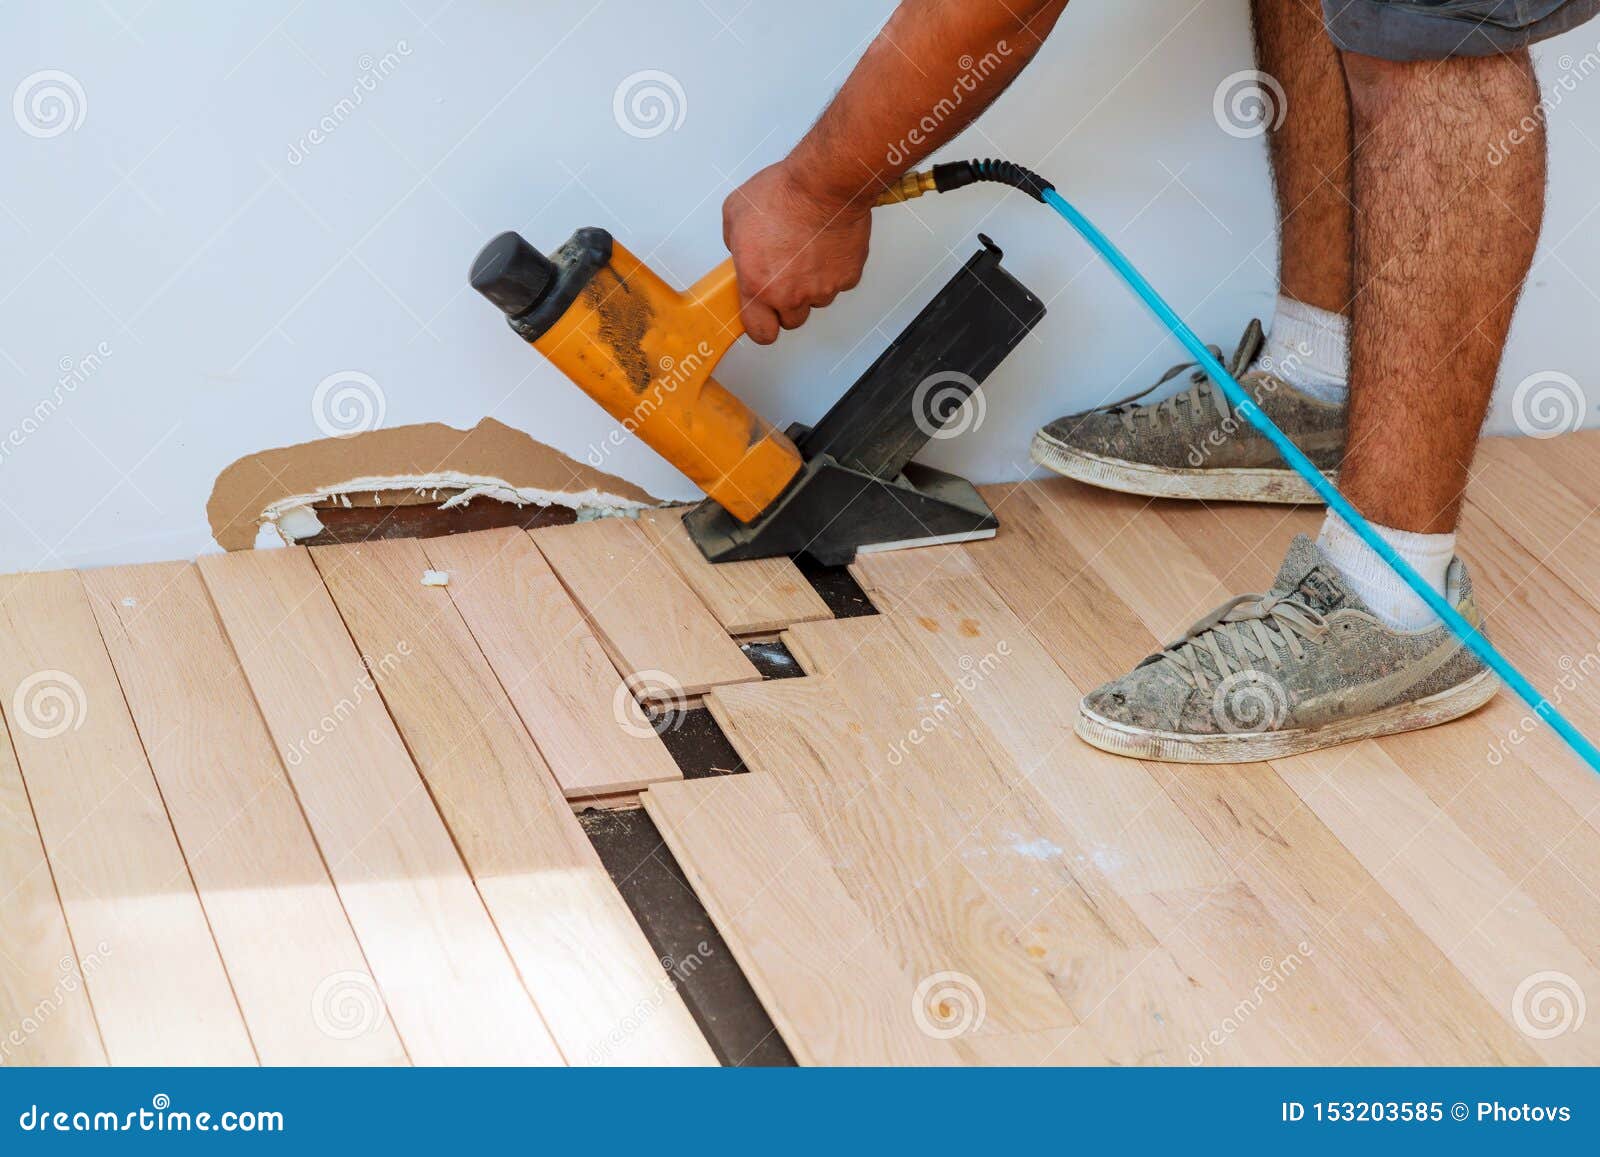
point(716, 297)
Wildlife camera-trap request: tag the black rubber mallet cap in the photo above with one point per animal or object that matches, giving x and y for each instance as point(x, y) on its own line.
point(512, 274)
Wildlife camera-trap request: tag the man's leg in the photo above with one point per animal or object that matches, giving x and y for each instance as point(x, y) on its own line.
point(1443, 241)
point(1310, 154)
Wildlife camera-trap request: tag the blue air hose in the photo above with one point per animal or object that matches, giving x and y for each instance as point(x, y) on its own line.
point(945, 177)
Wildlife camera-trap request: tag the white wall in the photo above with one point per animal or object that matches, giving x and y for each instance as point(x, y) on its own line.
point(208, 266)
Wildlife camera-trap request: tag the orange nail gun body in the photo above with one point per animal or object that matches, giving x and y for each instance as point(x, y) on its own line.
point(645, 352)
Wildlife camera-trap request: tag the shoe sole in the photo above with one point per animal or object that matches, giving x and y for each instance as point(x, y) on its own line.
point(1215, 484)
point(1171, 747)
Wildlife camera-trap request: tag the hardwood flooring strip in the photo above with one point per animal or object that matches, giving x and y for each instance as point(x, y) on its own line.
point(662, 638)
point(435, 956)
point(588, 966)
point(556, 673)
point(748, 597)
point(278, 923)
point(158, 987)
point(926, 905)
point(44, 1007)
point(833, 990)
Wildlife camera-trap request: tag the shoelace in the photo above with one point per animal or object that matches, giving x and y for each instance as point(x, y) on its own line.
point(1257, 628)
point(1200, 391)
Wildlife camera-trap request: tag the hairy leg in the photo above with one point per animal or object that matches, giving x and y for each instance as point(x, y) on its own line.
point(1310, 152)
point(1443, 242)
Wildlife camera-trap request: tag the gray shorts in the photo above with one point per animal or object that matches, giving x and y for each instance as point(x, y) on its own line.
point(1435, 29)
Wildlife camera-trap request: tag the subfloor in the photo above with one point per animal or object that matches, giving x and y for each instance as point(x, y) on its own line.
point(305, 807)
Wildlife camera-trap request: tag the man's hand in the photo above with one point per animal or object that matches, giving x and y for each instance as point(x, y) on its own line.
point(794, 249)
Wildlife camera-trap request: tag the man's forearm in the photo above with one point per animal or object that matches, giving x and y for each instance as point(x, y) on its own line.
point(932, 69)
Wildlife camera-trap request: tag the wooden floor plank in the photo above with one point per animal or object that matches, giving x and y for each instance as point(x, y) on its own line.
point(159, 991)
point(556, 673)
point(655, 629)
point(43, 1002)
point(584, 959)
point(434, 954)
point(747, 597)
point(1139, 837)
point(1309, 881)
point(241, 830)
point(834, 992)
point(926, 905)
point(1132, 995)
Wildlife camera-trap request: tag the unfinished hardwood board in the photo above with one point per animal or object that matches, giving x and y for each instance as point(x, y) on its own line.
point(572, 938)
point(833, 990)
point(158, 988)
point(1487, 925)
point(662, 638)
point(1041, 576)
point(747, 597)
point(1138, 1003)
point(272, 908)
point(1120, 814)
point(926, 905)
point(43, 1003)
point(554, 670)
point(1310, 882)
point(433, 952)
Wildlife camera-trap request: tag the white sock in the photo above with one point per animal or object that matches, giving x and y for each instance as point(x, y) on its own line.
point(1310, 349)
point(1379, 587)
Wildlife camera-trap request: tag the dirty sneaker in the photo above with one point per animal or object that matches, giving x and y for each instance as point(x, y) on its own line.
point(1302, 667)
point(1192, 445)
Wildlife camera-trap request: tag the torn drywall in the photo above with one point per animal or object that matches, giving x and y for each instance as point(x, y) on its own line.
point(272, 496)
